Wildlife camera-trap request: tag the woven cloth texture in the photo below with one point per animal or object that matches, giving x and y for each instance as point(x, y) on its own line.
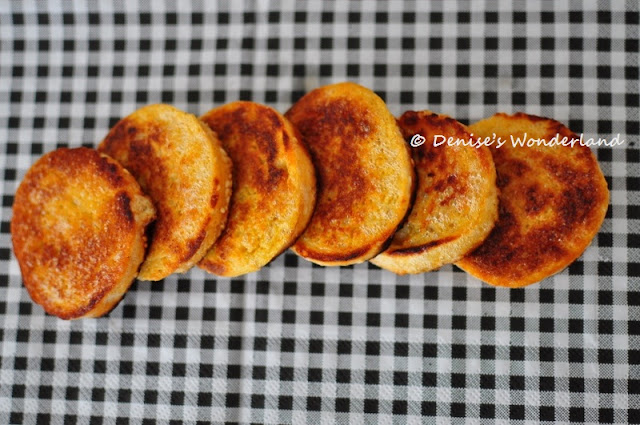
point(299, 343)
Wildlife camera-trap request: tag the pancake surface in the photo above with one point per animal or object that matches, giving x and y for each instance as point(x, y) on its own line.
point(364, 171)
point(456, 202)
point(553, 200)
point(274, 187)
point(78, 232)
point(180, 164)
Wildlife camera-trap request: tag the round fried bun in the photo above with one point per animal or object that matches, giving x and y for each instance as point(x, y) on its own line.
point(274, 187)
point(364, 171)
point(553, 200)
point(456, 202)
point(181, 165)
point(78, 232)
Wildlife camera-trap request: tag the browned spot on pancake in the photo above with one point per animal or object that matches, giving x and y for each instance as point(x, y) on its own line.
point(346, 192)
point(389, 238)
point(502, 181)
point(216, 192)
point(506, 246)
point(56, 255)
point(332, 130)
point(71, 162)
point(516, 167)
point(425, 247)
point(135, 150)
point(419, 122)
point(426, 153)
point(140, 148)
point(111, 172)
point(451, 182)
point(576, 204)
point(125, 141)
point(456, 193)
point(408, 119)
point(217, 268)
point(436, 159)
point(123, 203)
point(194, 244)
point(338, 118)
point(245, 129)
point(239, 214)
point(496, 252)
point(580, 190)
point(535, 199)
point(445, 182)
point(452, 179)
point(329, 258)
point(214, 199)
point(558, 169)
point(286, 140)
point(276, 121)
point(95, 299)
point(117, 136)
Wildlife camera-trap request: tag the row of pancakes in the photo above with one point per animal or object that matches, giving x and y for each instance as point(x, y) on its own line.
point(334, 179)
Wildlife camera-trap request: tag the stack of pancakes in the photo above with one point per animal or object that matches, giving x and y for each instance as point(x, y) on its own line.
point(334, 179)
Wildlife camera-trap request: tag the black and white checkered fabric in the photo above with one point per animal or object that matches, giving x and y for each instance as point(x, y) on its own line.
point(297, 343)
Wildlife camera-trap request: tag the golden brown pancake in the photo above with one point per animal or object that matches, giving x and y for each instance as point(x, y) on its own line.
point(78, 232)
point(364, 173)
point(181, 165)
point(552, 203)
point(274, 187)
point(456, 202)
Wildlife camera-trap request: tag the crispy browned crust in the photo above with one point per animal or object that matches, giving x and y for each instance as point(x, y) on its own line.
point(456, 202)
point(553, 201)
point(273, 187)
point(364, 173)
point(78, 232)
point(181, 165)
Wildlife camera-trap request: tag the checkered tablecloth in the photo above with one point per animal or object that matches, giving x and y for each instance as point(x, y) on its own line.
point(297, 343)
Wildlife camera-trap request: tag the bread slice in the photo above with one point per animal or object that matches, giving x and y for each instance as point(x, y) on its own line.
point(456, 202)
point(364, 170)
point(274, 187)
point(181, 165)
point(553, 200)
point(78, 232)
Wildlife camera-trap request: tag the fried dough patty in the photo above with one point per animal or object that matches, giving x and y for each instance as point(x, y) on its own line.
point(364, 171)
point(456, 202)
point(78, 232)
point(553, 200)
point(181, 165)
point(274, 187)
